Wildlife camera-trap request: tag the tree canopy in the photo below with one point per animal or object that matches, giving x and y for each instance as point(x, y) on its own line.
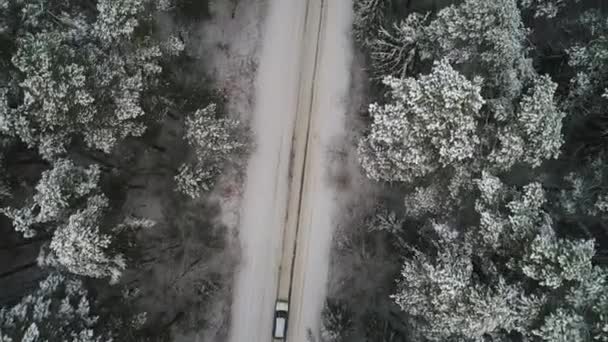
point(59, 310)
point(81, 73)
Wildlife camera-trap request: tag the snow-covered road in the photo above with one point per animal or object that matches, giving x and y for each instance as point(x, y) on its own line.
point(301, 86)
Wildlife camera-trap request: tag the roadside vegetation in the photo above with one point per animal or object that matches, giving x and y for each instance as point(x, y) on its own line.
point(486, 131)
point(108, 156)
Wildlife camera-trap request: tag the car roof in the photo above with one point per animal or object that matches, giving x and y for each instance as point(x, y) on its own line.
point(279, 327)
point(282, 306)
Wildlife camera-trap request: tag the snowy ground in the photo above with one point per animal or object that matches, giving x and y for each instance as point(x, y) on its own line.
point(189, 256)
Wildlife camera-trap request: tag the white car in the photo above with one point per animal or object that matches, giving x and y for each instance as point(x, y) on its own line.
point(279, 330)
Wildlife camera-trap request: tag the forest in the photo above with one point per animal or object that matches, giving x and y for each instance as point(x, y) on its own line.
point(108, 156)
point(482, 125)
point(486, 130)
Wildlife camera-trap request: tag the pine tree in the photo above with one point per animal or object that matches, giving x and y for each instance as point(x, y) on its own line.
point(59, 310)
point(69, 206)
point(470, 285)
point(80, 246)
point(536, 133)
point(393, 50)
point(429, 123)
point(563, 326)
point(214, 140)
point(545, 8)
point(588, 57)
point(57, 195)
point(83, 73)
point(443, 292)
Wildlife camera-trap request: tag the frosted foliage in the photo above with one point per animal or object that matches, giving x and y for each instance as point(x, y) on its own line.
point(52, 146)
point(443, 292)
point(368, 16)
point(135, 223)
point(601, 205)
point(174, 46)
point(589, 58)
point(4, 113)
point(69, 205)
point(393, 49)
point(563, 326)
point(553, 261)
point(4, 8)
point(461, 181)
point(429, 123)
point(212, 137)
point(31, 334)
point(491, 224)
point(486, 32)
point(192, 181)
point(80, 247)
point(590, 288)
point(164, 5)
point(491, 228)
point(139, 320)
point(82, 77)
point(600, 310)
point(491, 189)
point(214, 141)
point(62, 185)
point(385, 220)
point(585, 193)
point(426, 283)
point(59, 189)
point(545, 8)
point(572, 197)
point(495, 311)
point(336, 323)
point(537, 134)
point(526, 213)
point(541, 121)
point(527, 281)
point(422, 201)
point(511, 150)
point(23, 219)
point(117, 19)
point(59, 310)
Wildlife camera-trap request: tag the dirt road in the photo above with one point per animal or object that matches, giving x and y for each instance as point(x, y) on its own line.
point(286, 220)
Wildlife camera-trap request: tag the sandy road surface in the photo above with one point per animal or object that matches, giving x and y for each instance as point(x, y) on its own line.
point(302, 81)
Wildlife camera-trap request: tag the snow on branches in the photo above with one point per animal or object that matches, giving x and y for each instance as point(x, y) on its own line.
point(393, 49)
point(442, 287)
point(57, 193)
point(429, 123)
point(69, 205)
point(80, 247)
point(59, 310)
point(443, 290)
point(214, 140)
point(545, 8)
point(88, 76)
point(536, 134)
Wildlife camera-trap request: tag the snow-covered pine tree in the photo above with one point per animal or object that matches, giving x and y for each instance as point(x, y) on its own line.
point(59, 310)
point(429, 123)
point(83, 73)
point(214, 141)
